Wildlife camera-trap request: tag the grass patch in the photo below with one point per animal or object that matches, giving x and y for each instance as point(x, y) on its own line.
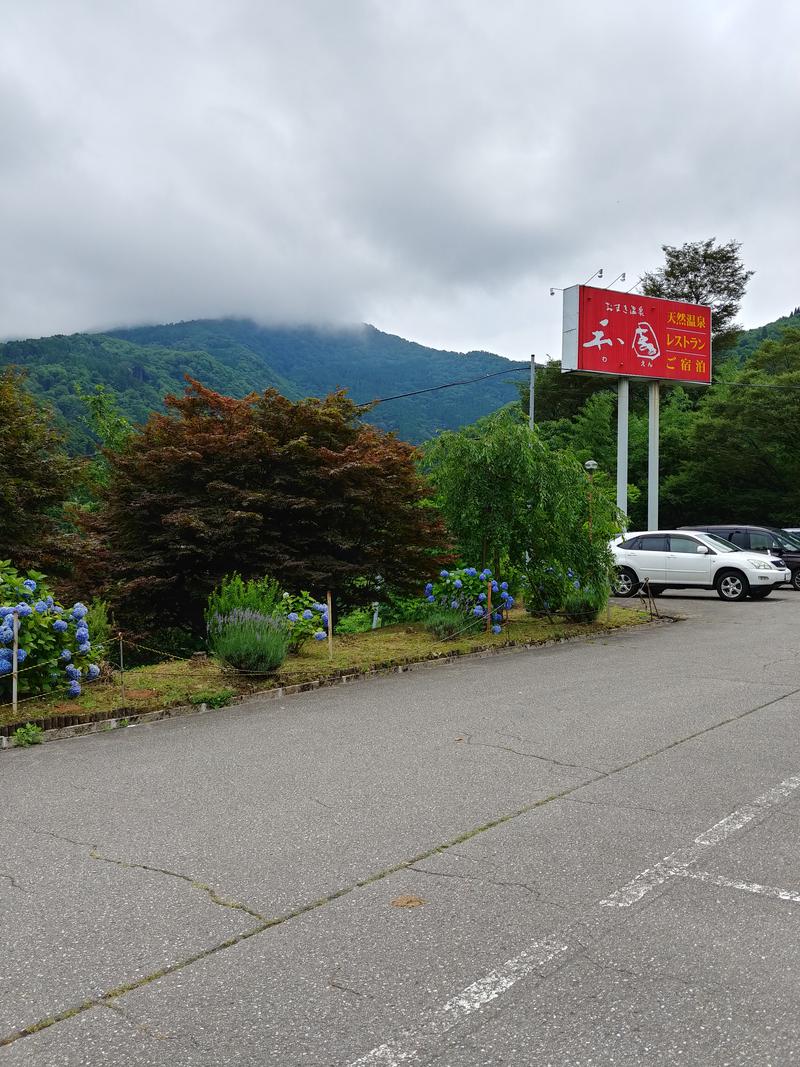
point(199, 680)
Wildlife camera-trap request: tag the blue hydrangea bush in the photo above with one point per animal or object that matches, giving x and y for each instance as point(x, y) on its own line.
point(465, 591)
point(306, 617)
point(55, 650)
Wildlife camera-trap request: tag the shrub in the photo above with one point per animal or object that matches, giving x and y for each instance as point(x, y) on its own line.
point(301, 615)
point(249, 641)
point(99, 623)
point(465, 592)
point(448, 622)
point(553, 589)
point(29, 734)
point(358, 621)
point(234, 593)
point(54, 646)
point(585, 605)
point(305, 617)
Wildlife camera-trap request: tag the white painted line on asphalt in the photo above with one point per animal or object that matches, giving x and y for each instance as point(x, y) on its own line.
point(748, 887)
point(677, 862)
point(469, 1000)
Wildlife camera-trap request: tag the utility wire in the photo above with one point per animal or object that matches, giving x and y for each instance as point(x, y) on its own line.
point(449, 385)
point(524, 370)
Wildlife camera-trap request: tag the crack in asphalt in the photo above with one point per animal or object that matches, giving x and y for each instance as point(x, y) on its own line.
point(377, 876)
point(213, 895)
point(623, 807)
point(345, 988)
point(531, 755)
point(14, 883)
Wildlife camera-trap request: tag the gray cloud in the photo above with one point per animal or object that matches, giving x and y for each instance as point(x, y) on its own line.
point(430, 167)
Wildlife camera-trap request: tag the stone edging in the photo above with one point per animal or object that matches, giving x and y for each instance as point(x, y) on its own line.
point(140, 718)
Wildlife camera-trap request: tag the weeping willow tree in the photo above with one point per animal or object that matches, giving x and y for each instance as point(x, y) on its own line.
point(512, 501)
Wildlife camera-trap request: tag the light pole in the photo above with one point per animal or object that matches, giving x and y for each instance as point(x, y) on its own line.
point(590, 466)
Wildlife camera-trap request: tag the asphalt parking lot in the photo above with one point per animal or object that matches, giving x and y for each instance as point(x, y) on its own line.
point(584, 854)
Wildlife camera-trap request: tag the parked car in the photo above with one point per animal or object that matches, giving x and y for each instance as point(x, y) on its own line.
point(793, 530)
point(767, 539)
point(677, 559)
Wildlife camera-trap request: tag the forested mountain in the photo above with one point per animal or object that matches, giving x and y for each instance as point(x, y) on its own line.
point(235, 357)
point(749, 340)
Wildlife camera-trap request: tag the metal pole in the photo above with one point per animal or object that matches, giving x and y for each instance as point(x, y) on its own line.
point(533, 382)
point(121, 672)
point(330, 625)
point(622, 445)
point(14, 666)
point(652, 457)
point(591, 486)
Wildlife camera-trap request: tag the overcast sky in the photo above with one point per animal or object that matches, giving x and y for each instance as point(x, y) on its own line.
point(429, 166)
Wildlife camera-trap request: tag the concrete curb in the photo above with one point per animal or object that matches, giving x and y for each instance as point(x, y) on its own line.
point(134, 718)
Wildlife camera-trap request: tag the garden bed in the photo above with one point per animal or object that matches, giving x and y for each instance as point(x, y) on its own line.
point(202, 681)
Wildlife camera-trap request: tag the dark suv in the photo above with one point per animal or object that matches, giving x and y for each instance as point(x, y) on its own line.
point(761, 539)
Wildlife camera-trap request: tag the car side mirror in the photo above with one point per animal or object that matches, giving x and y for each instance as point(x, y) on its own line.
point(704, 550)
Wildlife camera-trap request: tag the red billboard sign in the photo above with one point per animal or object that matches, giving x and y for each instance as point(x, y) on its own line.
point(630, 336)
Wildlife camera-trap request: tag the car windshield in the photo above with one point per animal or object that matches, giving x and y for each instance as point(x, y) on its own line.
point(721, 544)
point(788, 541)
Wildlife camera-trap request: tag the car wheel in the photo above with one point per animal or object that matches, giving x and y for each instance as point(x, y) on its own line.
point(626, 583)
point(732, 585)
point(796, 579)
point(759, 594)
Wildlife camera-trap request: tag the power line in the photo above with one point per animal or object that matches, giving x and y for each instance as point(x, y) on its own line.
point(449, 385)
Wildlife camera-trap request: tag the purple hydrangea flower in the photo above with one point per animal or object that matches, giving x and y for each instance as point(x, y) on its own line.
point(23, 610)
point(74, 689)
point(308, 614)
point(478, 610)
point(320, 635)
point(30, 585)
point(22, 655)
point(92, 672)
point(65, 655)
point(458, 583)
point(496, 629)
point(59, 626)
point(40, 607)
point(292, 616)
point(5, 666)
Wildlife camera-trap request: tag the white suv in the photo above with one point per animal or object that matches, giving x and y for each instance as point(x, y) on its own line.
point(678, 559)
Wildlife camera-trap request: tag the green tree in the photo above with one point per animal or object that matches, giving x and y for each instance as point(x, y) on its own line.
point(303, 492)
point(109, 427)
point(481, 476)
point(36, 476)
point(558, 395)
point(704, 272)
point(742, 454)
point(509, 498)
